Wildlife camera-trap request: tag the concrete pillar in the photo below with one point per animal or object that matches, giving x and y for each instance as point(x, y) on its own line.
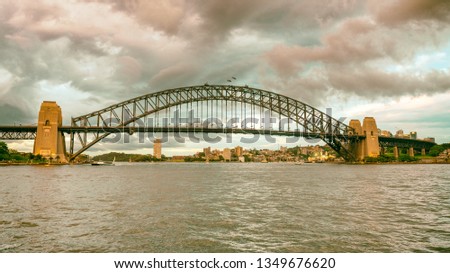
point(371, 143)
point(396, 152)
point(382, 150)
point(411, 151)
point(49, 141)
point(423, 152)
point(157, 148)
point(357, 147)
point(356, 125)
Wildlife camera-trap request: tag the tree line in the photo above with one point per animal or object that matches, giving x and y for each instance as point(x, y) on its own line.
point(11, 155)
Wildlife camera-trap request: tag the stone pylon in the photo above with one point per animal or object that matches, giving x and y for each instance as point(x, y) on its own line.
point(370, 146)
point(357, 147)
point(396, 152)
point(49, 141)
point(371, 143)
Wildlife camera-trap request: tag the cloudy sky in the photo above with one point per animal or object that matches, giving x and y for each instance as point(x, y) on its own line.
point(382, 58)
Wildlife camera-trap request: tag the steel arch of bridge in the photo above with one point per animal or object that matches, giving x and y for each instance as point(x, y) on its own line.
point(314, 122)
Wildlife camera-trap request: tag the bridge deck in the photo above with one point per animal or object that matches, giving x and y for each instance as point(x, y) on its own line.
point(18, 128)
point(29, 132)
point(191, 129)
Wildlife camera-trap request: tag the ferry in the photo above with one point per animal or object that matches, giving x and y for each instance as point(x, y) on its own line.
point(104, 163)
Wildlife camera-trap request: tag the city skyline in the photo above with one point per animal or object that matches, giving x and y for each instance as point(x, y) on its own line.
point(357, 57)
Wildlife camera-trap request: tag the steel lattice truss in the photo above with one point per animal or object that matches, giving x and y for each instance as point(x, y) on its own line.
point(17, 135)
point(405, 143)
point(17, 132)
point(314, 122)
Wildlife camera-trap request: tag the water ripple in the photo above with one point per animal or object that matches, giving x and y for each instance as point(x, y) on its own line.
point(226, 208)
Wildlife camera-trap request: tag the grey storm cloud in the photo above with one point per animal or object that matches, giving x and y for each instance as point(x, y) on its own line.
point(405, 11)
point(355, 56)
point(110, 50)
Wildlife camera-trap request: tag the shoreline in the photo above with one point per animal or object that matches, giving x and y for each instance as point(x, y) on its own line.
point(427, 162)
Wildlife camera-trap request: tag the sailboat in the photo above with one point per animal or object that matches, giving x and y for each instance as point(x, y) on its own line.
point(104, 163)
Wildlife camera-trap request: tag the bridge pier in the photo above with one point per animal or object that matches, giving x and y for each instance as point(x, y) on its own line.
point(357, 147)
point(423, 152)
point(411, 151)
point(396, 152)
point(370, 146)
point(49, 141)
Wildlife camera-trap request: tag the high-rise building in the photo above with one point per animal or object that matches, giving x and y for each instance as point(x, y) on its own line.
point(303, 150)
point(207, 152)
point(239, 151)
point(430, 139)
point(413, 135)
point(399, 133)
point(157, 148)
point(226, 154)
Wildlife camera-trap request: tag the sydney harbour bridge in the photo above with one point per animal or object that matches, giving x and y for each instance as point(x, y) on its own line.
point(220, 109)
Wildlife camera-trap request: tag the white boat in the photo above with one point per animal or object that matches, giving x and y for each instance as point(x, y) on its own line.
point(103, 163)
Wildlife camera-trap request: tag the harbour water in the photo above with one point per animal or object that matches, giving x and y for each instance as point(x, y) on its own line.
point(250, 207)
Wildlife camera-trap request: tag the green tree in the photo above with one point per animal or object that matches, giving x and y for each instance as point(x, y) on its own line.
point(406, 158)
point(436, 150)
point(369, 159)
point(386, 158)
point(4, 151)
point(247, 158)
point(38, 157)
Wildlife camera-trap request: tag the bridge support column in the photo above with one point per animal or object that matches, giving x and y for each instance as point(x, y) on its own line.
point(411, 151)
point(370, 146)
point(423, 152)
point(357, 147)
point(49, 141)
point(371, 143)
point(396, 152)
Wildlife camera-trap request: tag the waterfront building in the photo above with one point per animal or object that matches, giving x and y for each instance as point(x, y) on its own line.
point(207, 152)
point(226, 154)
point(157, 148)
point(399, 133)
point(304, 150)
point(385, 133)
point(178, 158)
point(239, 151)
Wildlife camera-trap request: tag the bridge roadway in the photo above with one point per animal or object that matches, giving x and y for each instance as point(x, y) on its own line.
point(29, 132)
